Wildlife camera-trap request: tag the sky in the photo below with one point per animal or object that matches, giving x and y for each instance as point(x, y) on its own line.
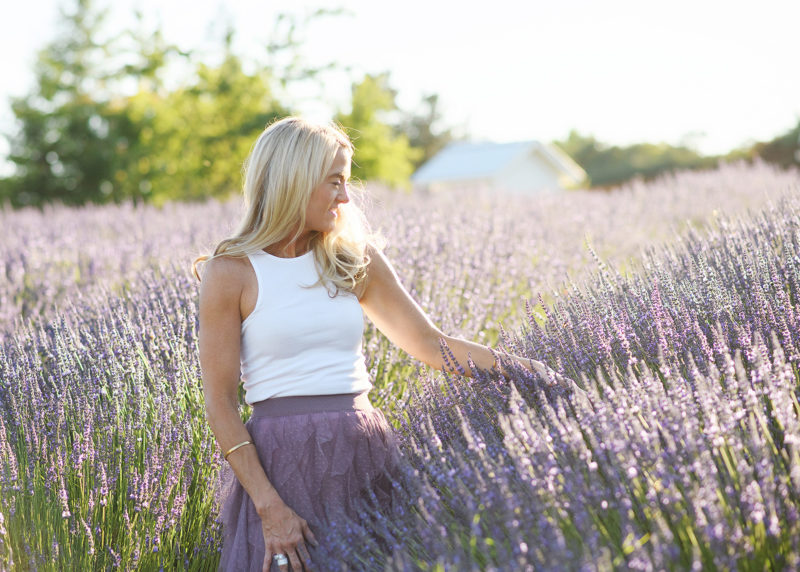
point(716, 75)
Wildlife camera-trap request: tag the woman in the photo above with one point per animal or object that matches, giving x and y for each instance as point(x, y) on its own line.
point(281, 306)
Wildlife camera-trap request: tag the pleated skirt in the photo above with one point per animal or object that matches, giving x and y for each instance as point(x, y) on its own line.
point(323, 454)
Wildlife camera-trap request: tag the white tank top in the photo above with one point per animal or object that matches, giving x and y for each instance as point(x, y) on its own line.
point(297, 340)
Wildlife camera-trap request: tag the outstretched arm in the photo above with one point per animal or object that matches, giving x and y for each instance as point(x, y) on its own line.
point(395, 313)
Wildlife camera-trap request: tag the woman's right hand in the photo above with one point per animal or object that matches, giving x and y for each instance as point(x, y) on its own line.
point(286, 533)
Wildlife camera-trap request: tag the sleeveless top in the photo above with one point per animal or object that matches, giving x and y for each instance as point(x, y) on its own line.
point(300, 340)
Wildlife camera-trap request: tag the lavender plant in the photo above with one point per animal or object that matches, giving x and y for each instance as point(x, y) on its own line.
point(457, 254)
point(101, 438)
point(683, 453)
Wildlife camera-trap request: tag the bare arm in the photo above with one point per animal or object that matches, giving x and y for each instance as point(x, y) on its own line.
point(395, 313)
point(219, 341)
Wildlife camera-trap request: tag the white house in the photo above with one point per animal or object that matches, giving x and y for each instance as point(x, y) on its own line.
point(524, 167)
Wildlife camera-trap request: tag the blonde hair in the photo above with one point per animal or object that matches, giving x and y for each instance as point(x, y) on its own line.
point(287, 162)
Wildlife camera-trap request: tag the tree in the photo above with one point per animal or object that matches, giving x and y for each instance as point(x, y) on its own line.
point(100, 125)
point(611, 165)
point(423, 129)
point(195, 138)
point(76, 137)
point(86, 136)
point(61, 125)
point(783, 150)
point(381, 153)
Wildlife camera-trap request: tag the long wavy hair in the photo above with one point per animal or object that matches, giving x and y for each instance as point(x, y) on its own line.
point(287, 162)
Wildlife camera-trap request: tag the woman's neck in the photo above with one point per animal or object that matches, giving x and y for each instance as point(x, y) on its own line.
point(290, 249)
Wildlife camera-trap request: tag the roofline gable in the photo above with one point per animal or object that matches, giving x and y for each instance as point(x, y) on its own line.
point(466, 160)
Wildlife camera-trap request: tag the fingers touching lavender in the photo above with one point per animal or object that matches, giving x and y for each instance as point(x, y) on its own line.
point(546, 372)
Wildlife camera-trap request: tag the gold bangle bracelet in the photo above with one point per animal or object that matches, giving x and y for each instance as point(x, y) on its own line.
point(232, 449)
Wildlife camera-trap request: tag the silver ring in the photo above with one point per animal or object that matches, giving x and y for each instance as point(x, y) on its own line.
point(280, 559)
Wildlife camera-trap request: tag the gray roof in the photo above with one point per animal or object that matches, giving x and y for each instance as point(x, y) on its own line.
point(465, 160)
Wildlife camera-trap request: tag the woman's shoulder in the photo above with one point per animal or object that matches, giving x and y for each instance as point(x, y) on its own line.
point(226, 273)
point(378, 262)
point(377, 269)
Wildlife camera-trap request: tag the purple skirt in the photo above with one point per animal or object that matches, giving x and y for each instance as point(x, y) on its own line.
point(323, 454)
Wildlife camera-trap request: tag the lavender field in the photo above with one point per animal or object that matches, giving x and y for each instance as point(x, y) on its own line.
point(674, 303)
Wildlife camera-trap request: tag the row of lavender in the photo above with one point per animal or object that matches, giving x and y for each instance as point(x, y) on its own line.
point(106, 459)
point(685, 454)
point(490, 249)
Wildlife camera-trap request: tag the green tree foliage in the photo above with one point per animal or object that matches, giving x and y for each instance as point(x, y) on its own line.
point(194, 139)
point(381, 153)
point(784, 150)
point(101, 126)
point(62, 151)
point(423, 129)
point(77, 138)
point(611, 165)
point(82, 139)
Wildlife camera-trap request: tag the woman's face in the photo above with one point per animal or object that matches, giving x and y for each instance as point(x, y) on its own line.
point(323, 206)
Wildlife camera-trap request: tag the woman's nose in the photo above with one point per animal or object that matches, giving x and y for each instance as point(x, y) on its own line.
point(344, 196)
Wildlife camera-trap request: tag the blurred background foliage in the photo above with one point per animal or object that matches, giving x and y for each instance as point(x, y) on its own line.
point(608, 166)
point(381, 152)
point(103, 125)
